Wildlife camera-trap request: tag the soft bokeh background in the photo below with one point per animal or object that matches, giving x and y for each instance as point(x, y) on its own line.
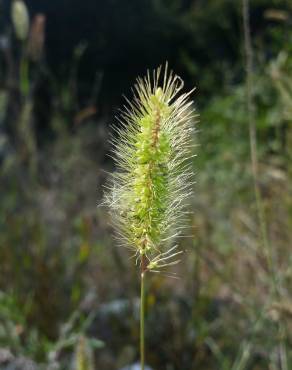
point(68, 295)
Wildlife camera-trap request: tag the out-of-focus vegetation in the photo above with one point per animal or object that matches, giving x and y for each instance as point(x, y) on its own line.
point(68, 295)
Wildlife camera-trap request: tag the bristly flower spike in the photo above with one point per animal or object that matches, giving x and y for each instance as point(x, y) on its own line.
point(148, 192)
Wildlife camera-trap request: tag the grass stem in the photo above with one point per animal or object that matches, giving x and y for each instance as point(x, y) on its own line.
point(142, 321)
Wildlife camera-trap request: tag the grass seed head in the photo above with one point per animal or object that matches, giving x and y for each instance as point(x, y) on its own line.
point(20, 19)
point(152, 150)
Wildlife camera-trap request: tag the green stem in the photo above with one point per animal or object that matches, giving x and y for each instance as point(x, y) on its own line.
point(24, 76)
point(142, 322)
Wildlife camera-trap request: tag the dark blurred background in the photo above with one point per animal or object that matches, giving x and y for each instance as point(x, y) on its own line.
point(68, 295)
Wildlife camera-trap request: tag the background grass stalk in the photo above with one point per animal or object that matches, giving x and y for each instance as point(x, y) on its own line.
point(253, 135)
point(275, 292)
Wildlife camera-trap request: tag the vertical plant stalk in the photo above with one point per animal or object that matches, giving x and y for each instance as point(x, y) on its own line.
point(142, 320)
point(24, 83)
point(253, 133)
point(276, 291)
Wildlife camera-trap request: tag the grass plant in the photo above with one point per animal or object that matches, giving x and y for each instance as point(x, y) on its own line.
point(148, 193)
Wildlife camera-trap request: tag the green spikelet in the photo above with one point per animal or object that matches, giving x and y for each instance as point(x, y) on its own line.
point(153, 178)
